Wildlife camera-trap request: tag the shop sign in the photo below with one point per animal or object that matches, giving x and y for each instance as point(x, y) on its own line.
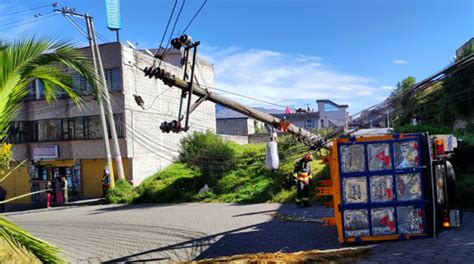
point(112, 8)
point(45, 152)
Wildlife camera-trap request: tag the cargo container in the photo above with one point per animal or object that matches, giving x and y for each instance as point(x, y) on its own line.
point(390, 187)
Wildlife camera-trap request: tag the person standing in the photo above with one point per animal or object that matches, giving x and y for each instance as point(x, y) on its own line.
point(58, 189)
point(65, 190)
point(302, 174)
point(3, 195)
point(105, 182)
point(49, 194)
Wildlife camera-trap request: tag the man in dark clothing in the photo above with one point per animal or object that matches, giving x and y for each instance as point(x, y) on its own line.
point(105, 182)
point(3, 195)
point(302, 174)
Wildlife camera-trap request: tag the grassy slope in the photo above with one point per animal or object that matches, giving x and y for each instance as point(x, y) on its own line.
point(249, 182)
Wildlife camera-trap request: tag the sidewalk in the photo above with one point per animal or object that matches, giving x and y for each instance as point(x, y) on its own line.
point(10, 208)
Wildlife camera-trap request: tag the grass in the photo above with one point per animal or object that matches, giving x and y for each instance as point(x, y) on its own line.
point(248, 182)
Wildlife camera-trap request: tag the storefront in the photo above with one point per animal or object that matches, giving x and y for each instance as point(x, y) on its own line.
point(46, 167)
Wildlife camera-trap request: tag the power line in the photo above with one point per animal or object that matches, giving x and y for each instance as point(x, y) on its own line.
point(195, 15)
point(172, 31)
point(25, 10)
point(166, 29)
point(35, 19)
point(22, 20)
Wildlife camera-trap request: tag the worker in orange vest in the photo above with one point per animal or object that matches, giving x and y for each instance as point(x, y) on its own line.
point(302, 174)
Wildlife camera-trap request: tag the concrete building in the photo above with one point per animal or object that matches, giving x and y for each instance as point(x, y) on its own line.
point(63, 139)
point(329, 114)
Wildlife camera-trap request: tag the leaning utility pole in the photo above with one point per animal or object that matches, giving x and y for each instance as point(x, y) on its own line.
point(95, 54)
point(113, 129)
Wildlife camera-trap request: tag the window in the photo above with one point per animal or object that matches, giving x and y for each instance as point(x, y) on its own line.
point(31, 87)
point(78, 128)
point(309, 124)
point(93, 127)
point(81, 86)
point(114, 80)
point(22, 132)
point(49, 130)
point(330, 107)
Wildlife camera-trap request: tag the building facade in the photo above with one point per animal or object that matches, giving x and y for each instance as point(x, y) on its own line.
point(61, 138)
point(329, 114)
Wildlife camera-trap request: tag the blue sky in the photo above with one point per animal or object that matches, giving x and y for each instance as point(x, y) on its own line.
point(290, 52)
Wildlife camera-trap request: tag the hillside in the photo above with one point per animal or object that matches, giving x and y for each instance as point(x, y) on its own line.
point(247, 182)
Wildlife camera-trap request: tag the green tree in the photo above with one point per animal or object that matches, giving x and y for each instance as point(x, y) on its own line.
point(403, 100)
point(50, 62)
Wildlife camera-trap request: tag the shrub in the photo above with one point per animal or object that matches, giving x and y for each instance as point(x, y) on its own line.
point(208, 152)
point(122, 193)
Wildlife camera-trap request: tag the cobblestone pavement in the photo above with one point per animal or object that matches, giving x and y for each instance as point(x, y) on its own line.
point(180, 232)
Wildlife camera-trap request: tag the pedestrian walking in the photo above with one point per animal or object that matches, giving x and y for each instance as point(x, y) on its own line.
point(49, 194)
point(58, 189)
point(65, 189)
point(302, 175)
point(3, 195)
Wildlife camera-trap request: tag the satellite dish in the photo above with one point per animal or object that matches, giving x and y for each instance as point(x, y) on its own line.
point(131, 45)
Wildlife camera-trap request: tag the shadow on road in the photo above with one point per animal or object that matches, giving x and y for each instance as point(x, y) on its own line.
point(270, 236)
point(115, 208)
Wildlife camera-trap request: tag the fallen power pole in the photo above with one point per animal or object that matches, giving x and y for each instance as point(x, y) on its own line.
point(310, 139)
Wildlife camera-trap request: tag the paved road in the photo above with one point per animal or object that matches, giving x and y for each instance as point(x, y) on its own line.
point(164, 233)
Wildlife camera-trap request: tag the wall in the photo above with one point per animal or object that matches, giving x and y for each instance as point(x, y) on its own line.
point(17, 183)
point(241, 140)
point(299, 119)
point(234, 126)
point(337, 117)
point(91, 176)
point(150, 149)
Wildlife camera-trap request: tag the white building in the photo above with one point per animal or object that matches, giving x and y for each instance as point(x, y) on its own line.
point(60, 138)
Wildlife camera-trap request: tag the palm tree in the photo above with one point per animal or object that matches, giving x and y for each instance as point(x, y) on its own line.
point(48, 61)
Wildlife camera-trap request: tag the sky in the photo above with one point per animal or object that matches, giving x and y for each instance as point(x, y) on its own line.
point(287, 52)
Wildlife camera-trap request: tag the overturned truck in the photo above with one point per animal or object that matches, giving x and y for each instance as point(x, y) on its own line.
point(383, 187)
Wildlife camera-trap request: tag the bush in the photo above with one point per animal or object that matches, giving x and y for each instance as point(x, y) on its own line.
point(208, 152)
point(122, 193)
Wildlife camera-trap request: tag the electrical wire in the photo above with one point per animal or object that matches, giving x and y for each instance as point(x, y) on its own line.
point(166, 30)
point(22, 20)
point(24, 11)
point(76, 25)
point(172, 32)
point(35, 19)
point(195, 15)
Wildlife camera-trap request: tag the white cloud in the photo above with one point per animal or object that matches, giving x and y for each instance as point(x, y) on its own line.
point(364, 93)
point(287, 79)
point(387, 88)
point(400, 61)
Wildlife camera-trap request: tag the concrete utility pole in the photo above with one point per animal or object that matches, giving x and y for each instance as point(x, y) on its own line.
point(95, 54)
point(306, 136)
point(113, 129)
